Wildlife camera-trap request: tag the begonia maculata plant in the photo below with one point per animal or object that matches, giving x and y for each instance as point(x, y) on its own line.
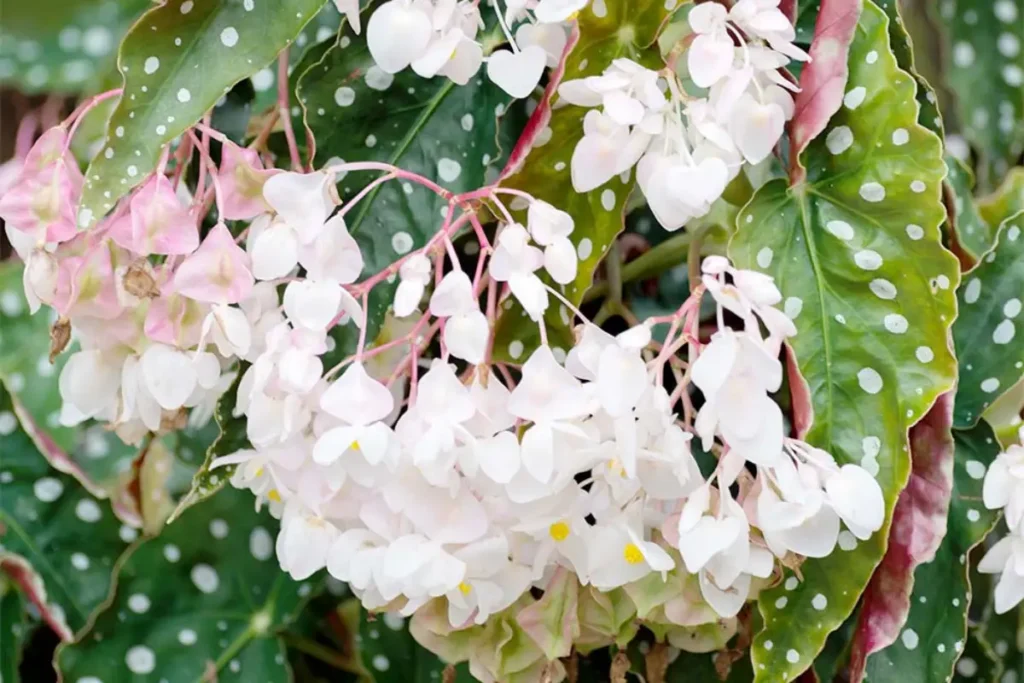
point(513, 341)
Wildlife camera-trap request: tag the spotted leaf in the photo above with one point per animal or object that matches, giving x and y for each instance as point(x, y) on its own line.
point(203, 600)
point(389, 653)
point(54, 46)
point(903, 48)
point(918, 527)
point(985, 71)
point(991, 350)
point(857, 254)
point(973, 233)
point(168, 84)
point(434, 128)
point(56, 540)
point(933, 636)
point(14, 630)
point(540, 161)
point(1003, 637)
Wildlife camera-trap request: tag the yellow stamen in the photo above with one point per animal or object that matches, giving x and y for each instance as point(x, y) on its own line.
point(273, 495)
point(354, 446)
point(559, 531)
point(465, 588)
point(632, 554)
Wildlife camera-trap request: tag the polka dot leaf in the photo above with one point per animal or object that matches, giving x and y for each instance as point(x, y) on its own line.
point(56, 46)
point(389, 653)
point(974, 234)
point(1003, 636)
point(985, 74)
point(14, 629)
point(56, 540)
point(206, 595)
point(357, 112)
point(932, 638)
point(168, 86)
point(988, 341)
point(541, 162)
point(858, 243)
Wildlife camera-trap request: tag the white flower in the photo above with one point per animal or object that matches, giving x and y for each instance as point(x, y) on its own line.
point(619, 554)
point(735, 374)
point(491, 582)
point(413, 275)
point(551, 398)
point(515, 261)
point(1004, 485)
point(550, 228)
point(466, 330)
point(360, 402)
point(443, 404)
point(1006, 558)
point(606, 150)
point(350, 10)
point(710, 56)
point(303, 542)
point(398, 33)
point(554, 11)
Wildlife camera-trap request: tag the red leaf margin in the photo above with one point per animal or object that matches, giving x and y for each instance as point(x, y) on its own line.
point(823, 80)
point(918, 527)
point(123, 503)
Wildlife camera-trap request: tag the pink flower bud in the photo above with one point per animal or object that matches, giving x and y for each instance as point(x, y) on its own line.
point(241, 182)
point(218, 272)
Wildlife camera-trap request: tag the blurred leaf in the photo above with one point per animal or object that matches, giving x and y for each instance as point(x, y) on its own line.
point(14, 629)
point(985, 71)
point(57, 46)
point(974, 234)
point(991, 350)
point(872, 300)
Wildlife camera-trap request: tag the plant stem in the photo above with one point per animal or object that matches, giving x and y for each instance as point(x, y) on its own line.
point(321, 652)
point(669, 253)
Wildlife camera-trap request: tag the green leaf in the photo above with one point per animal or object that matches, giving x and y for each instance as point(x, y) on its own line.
point(56, 46)
point(986, 76)
point(871, 290)
point(991, 350)
point(390, 654)
point(1007, 200)
point(933, 636)
point(69, 541)
point(973, 233)
point(14, 629)
point(903, 48)
point(1003, 635)
point(626, 28)
point(977, 661)
point(167, 61)
point(231, 437)
point(207, 595)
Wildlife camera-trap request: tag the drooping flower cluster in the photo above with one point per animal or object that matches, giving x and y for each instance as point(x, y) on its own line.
point(425, 473)
point(688, 148)
point(1004, 489)
point(439, 38)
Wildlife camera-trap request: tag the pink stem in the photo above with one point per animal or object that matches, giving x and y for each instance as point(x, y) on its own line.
point(283, 109)
point(365, 191)
point(26, 133)
point(78, 114)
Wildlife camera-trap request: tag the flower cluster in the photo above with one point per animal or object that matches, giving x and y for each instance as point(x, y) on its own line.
point(1004, 489)
point(438, 38)
point(686, 148)
point(426, 473)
